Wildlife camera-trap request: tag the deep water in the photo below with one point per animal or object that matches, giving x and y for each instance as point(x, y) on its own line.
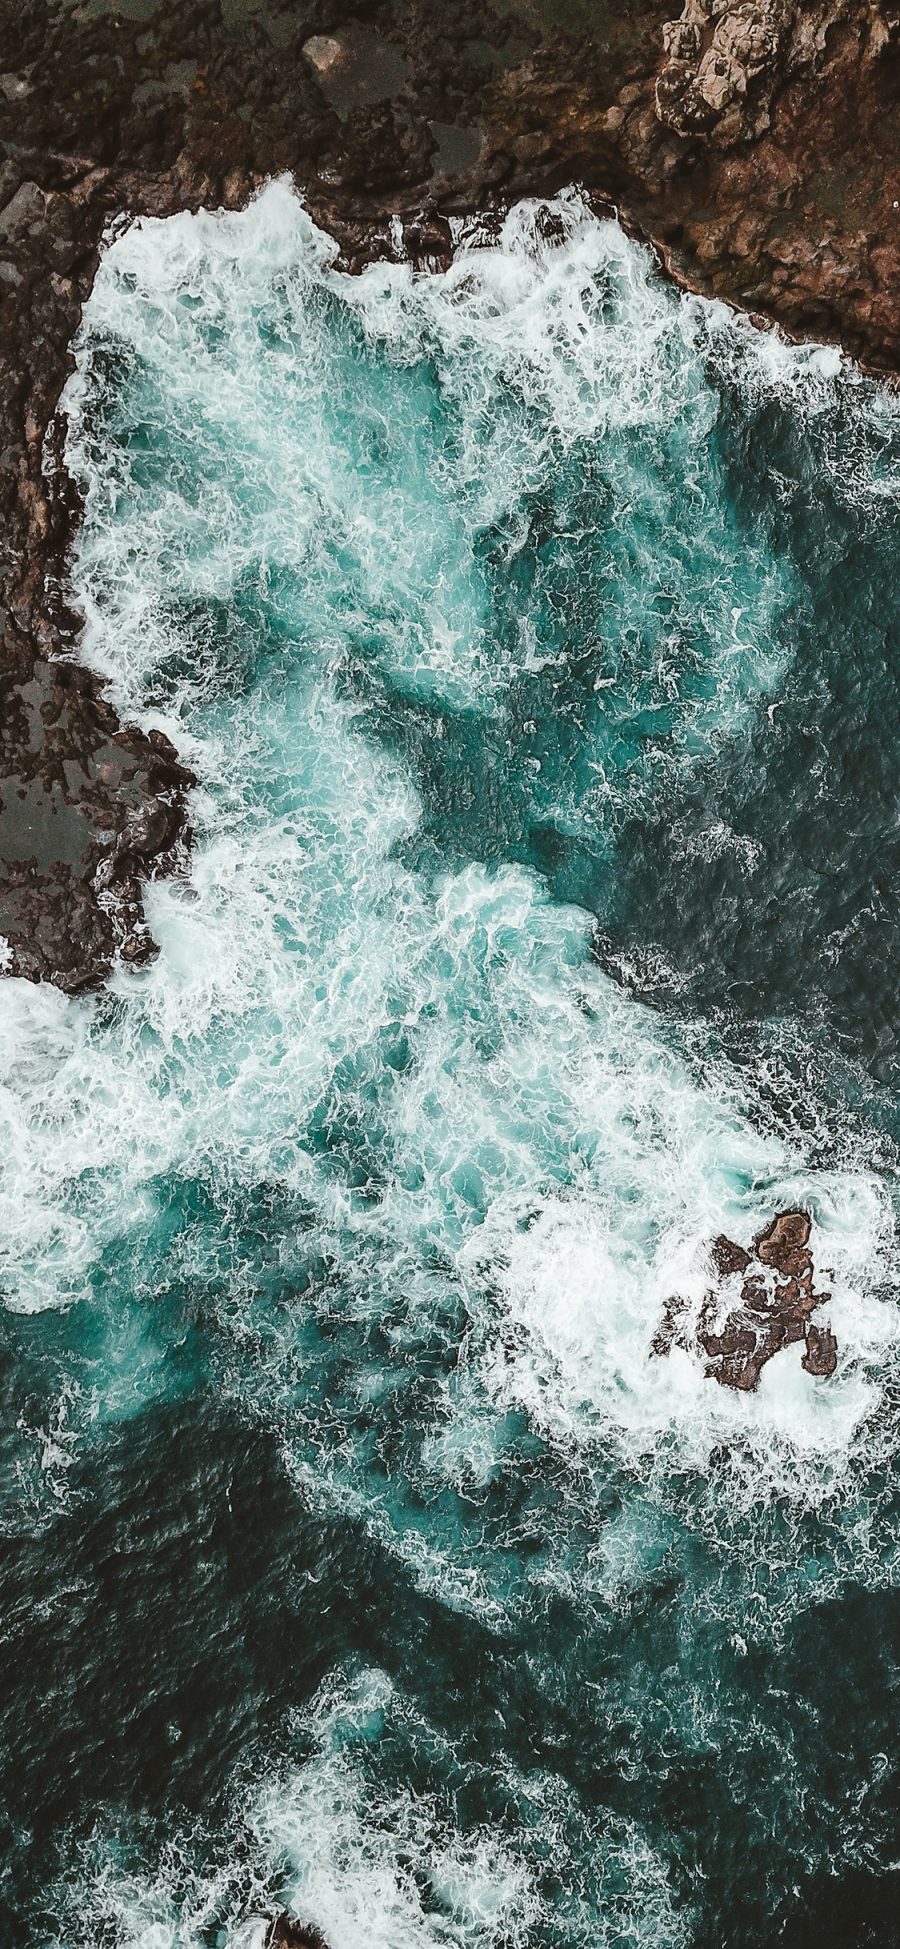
point(534, 633)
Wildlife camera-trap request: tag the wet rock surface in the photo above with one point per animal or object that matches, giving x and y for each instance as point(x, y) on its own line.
point(756, 142)
point(286, 1933)
point(89, 809)
point(763, 1302)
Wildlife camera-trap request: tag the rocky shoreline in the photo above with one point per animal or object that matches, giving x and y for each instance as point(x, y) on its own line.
point(756, 143)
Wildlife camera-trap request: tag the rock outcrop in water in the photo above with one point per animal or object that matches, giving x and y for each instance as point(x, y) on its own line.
point(742, 1327)
point(756, 142)
point(286, 1933)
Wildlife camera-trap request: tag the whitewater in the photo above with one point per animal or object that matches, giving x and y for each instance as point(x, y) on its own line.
point(523, 625)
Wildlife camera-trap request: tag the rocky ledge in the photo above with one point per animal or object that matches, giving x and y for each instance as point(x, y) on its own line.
point(763, 1301)
point(755, 142)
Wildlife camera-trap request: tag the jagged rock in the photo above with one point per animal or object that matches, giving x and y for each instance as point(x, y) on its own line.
point(151, 830)
point(756, 142)
point(746, 1352)
point(755, 1293)
point(23, 209)
point(428, 241)
point(727, 57)
point(821, 1351)
point(728, 1257)
point(286, 1933)
point(777, 1300)
point(787, 1234)
point(324, 52)
point(671, 1326)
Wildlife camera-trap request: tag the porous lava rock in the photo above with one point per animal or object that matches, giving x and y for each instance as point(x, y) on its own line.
point(727, 59)
point(740, 1329)
point(756, 143)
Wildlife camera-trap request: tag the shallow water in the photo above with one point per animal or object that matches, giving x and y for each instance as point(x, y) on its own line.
point(533, 633)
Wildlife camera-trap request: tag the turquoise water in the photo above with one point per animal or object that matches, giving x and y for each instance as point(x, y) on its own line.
point(533, 633)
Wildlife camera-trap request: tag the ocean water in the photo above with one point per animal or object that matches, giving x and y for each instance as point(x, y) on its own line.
point(533, 631)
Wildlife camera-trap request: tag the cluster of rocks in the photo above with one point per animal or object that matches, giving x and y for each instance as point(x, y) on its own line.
point(726, 58)
point(755, 142)
point(90, 809)
point(764, 1302)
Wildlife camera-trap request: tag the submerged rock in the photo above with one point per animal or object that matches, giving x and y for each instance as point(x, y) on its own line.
point(728, 1257)
point(671, 1329)
point(777, 1298)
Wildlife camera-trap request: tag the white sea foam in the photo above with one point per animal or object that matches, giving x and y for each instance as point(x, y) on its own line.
point(365, 1860)
point(542, 1151)
point(395, 1874)
point(493, 1148)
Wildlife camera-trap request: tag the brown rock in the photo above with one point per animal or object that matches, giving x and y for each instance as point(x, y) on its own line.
point(728, 1257)
point(428, 242)
point(770, 1316)
point(671, 1326)
point(745, 1350)
point(738, 1336)
point(740, 1371)
point(754, 1294)
point(286, 1933)
point(795, 1262)
point(798, 1298)
point(794, 1329)
point(787, 1235)
point(821, 1353)
point(755, 142)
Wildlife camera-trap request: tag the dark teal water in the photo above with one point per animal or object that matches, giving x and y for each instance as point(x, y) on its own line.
point(534, 635)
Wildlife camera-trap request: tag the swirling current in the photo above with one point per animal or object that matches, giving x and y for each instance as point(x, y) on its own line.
point(533, 631)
